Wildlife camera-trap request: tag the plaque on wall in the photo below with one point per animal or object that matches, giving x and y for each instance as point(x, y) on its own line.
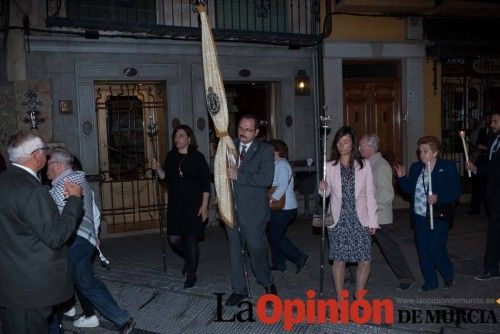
point(65, 107)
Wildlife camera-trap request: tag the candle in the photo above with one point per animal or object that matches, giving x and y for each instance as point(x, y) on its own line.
point(462, 135)
point(431, 211)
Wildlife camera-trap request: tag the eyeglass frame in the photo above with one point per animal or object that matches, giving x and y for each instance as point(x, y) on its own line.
point(44, 148)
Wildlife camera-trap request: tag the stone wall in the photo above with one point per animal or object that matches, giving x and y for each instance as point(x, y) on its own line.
point(17, 99)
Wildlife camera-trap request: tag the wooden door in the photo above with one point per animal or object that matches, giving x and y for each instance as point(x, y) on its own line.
point(372, 106)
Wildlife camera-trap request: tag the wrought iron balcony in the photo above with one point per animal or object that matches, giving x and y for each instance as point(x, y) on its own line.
point(282, 22)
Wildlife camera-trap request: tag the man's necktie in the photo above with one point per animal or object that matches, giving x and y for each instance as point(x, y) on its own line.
point(495, 147)
point(243, 152)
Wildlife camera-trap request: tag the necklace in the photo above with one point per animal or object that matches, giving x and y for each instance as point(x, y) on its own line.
point(181, 160)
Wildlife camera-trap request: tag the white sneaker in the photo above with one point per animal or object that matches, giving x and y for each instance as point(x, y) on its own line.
point(86, 322)
point(71, 312)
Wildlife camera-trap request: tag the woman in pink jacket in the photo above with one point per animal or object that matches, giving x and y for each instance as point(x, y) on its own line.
point(349, 183)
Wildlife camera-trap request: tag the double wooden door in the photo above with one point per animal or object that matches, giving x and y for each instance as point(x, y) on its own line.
point(372, 106)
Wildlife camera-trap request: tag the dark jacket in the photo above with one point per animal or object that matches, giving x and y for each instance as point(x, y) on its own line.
point(445, 182)
point(492, 169)
point(33, 256)
point(3, 164)
point(255, 176)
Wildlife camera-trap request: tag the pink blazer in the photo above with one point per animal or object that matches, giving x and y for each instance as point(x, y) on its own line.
point(364, 189)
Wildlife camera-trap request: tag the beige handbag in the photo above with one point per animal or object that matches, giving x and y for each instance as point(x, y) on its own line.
point(317, 220)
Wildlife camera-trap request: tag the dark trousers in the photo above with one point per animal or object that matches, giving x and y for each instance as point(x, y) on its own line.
point(478, 193)
point(30, 321)
point(492, 254)
point(282, 248)
point(432, 252)
point(386, 241)
point(254, 238)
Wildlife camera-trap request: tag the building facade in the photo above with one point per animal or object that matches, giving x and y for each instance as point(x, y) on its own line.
point(93, 76)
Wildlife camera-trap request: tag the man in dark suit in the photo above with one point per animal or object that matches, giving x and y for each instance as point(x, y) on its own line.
point(251, 179)
point(480, 143)
point(33, 259)
point(3, 165)
point(492, 171)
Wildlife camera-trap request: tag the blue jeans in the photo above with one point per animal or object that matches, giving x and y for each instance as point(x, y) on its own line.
point(81, 253)
point(282, 248)
point(432, 252)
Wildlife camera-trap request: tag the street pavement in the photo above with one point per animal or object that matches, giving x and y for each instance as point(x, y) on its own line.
point(160, 304)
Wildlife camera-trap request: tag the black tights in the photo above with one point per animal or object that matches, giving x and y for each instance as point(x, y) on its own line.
point(187, 248)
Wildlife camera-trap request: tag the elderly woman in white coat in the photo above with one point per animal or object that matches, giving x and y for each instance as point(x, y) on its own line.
point(349, 183)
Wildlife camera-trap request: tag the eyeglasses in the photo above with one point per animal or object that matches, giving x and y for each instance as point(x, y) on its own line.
point(245, 130)
point(44, 149)
point(52, 162)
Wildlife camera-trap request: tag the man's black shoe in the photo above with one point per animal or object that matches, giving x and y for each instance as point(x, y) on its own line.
point(128, 327)
point(235, 298)
point(448, 284)
point(190, 280)
point(184, 270)
point(271, 289)
point(301, 266)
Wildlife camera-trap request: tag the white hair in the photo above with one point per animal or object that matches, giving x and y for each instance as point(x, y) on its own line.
point(60, 154)
point(22, 145)
point(373, 140)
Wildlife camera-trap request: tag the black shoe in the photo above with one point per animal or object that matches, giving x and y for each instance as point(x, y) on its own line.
point(190, 280)
point(302, 265)
point(184, 270)
point(473, 212)
point(235, 298)
point(278, 268)
point(487, 276)
point(271, 289)
point(448, 284)
point(128, 327)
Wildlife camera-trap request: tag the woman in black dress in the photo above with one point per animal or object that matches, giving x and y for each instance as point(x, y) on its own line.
point(187, 176)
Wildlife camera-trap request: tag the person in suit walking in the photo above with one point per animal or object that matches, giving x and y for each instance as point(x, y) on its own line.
point(431, 243)
point(384, 196)
point(251, 179)
point(33, 256)
point(349, 183)
point(492, 172)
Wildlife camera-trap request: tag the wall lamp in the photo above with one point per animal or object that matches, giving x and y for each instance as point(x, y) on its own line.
point(302, 84)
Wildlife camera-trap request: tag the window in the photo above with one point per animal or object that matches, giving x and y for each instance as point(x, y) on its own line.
point(126, 147)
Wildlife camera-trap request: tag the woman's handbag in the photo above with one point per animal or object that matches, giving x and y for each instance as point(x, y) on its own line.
point(277, 205)
point(444, 211)
point(317, 220)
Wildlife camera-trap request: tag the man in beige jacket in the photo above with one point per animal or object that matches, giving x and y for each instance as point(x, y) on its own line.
point(384, 195)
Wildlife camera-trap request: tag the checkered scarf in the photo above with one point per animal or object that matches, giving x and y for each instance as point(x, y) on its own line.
point(86, 228)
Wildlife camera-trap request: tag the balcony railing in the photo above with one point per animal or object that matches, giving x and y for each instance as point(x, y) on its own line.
point(266, 21)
